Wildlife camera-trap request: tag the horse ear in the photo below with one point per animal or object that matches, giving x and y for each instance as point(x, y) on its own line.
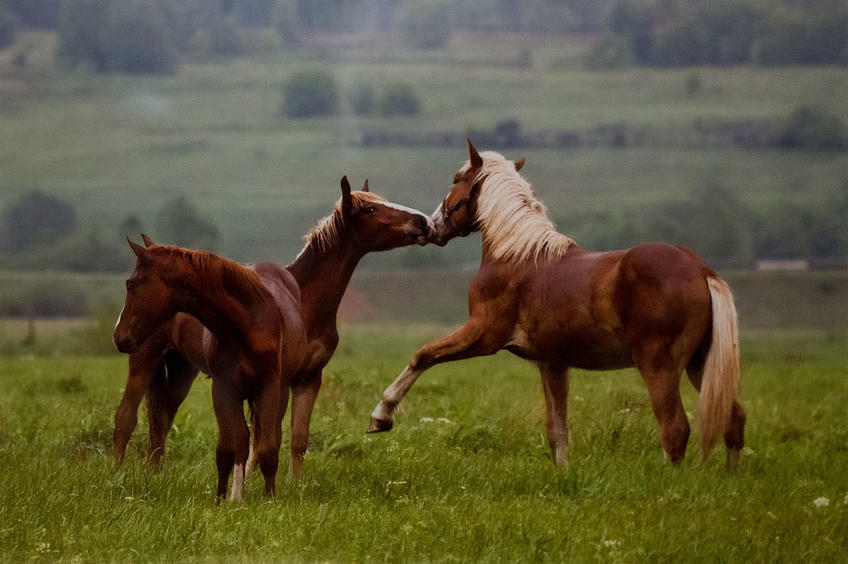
point(519, 164)
point(473, 156)
point(137, 249)
point(365, 186)
point(148, 242)
point(347, 202)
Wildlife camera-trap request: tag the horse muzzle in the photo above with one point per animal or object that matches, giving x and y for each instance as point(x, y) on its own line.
point(124, 343)
point(425, 230)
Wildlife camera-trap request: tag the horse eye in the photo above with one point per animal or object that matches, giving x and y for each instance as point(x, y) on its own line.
point(370, 209)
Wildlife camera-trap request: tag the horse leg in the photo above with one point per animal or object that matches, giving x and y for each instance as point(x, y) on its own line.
point(303, 400)
point(142, 367)
point(468, 341)
point(555, 386)
point(734, 436)
point(267, 428)
point(166, 394)
point(233, 438)
point(663, 381)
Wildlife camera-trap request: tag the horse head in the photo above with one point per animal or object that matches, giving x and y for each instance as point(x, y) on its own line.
point(455, 216)
point(148, 302)
point(378, 224)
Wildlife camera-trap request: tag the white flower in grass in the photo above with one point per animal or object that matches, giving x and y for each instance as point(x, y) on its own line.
point(426, 420)
point(821, 502)
point(609, 543)
point(444, 420)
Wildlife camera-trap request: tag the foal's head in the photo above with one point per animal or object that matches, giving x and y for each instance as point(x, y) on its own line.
point(372, 222)
point(456, 215)
point(149, 302)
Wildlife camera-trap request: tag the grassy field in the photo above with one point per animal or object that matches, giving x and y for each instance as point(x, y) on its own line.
point(119, 145)
point(465, 476)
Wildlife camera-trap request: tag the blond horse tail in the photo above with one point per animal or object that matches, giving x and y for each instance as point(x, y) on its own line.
point(720, 381)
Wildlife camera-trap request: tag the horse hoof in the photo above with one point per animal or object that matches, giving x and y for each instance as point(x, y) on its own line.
point(380, 425)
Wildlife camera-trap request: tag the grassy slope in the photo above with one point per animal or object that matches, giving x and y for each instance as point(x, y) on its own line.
point(479, 486)
point(119, 145)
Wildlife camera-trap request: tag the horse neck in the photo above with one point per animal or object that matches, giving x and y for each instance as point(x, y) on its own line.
point(221, 307)
point(323, 277)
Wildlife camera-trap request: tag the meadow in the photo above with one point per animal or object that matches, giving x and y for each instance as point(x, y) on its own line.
point(466, 473)
point(464, 476)
point(117, 145)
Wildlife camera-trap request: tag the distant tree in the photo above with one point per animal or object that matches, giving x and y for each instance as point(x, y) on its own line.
point(310, 93)
point(253, 13)
point(813, 128)
point(398, 98)
point(130, 226)
point(633, 20)
point(285, 19)
point(713, 221)
point(35, 219)
point(179, 223)
point(361, 97)
point(79, 42)
point(425, 24)
point(129, 36)
point(8, 26)
point(136, 38)
point(721, 32)
point(41, 14)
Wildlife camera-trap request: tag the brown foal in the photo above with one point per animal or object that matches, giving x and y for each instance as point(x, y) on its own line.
point(256, 342)
point(537, 294)
point(168, 362)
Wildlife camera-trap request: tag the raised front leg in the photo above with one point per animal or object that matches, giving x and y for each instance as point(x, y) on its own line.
point(468, 341)
point(303, 401)
point(142, 367)
point(555, 386)
point(166, 393)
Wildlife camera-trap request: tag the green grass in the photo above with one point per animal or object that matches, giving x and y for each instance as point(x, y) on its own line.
point(474, 484)
point(119, 145)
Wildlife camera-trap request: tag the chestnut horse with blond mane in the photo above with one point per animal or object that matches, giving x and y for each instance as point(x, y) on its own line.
point(259, 342)
point(165, 367)
point(537, 294)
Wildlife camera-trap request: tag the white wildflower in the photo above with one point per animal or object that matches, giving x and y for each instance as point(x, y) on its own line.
point(821, 502)
point(444, 420)
point(609, 543)
point(426, 420)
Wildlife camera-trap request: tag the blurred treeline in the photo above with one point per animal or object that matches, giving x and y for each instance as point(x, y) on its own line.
point(155, 35)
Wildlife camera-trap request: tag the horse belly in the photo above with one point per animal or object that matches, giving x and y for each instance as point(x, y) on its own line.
point(590, 348)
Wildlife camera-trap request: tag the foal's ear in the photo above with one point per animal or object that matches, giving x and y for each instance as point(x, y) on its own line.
point(347, 202)
point(473, 156)
point(148, 242)
point(519, 164)
point(137, 249)
point(365, 186)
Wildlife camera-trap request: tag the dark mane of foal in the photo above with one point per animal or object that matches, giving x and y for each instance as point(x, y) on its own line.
point(235, 278)
point(326, 233)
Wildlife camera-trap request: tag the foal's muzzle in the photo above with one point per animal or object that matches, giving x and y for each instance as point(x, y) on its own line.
point(426, 229)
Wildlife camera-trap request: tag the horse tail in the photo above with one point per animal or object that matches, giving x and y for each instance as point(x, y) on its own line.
point(720, 381)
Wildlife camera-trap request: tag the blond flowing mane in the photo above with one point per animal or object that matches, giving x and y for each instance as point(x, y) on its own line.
point(326, 233)
point(514, 223)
